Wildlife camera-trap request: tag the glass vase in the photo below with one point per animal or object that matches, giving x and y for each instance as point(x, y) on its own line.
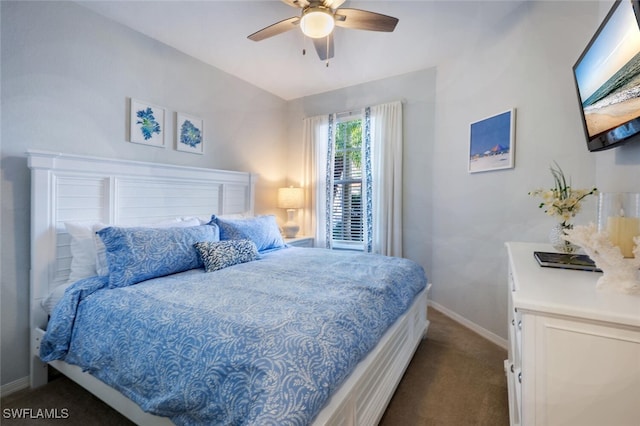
point(619, 217)
point(556, 237)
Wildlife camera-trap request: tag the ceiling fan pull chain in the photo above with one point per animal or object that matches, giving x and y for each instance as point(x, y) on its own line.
point(328, 50)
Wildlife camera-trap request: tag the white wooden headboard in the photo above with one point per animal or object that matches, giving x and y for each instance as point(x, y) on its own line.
point(116, 192)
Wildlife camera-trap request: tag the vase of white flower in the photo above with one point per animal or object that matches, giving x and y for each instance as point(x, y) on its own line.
point(557, 238)
point(563, 202)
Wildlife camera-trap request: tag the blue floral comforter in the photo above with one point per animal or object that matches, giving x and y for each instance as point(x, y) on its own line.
point(260, 343)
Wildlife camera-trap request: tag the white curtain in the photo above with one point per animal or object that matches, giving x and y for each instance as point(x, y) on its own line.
point(315, 139)
point(386, 159)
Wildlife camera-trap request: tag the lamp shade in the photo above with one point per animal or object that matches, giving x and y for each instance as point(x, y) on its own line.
point(290, 198)
point(317, 22)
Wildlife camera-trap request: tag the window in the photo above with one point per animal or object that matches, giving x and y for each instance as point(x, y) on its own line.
point(346, 203)
point(353, 167)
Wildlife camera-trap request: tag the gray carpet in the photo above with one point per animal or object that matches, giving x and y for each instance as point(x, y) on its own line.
point(455, 378)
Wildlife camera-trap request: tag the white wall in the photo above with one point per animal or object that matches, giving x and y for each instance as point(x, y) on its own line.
point(524, 64)
point(66, 77)
point(618, 170)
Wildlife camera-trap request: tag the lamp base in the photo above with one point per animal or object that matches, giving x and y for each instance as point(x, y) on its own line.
point(290, 229)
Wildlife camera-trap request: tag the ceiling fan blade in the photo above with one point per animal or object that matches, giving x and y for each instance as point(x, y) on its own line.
point(297, 3)
point(331, 4)
point(364, 20)
point(275, 29)
point(321, 47)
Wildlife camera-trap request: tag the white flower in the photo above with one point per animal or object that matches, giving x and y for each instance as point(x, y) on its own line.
point(562, 200)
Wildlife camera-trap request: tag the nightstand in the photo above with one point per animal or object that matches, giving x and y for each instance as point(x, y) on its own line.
point(299, 241)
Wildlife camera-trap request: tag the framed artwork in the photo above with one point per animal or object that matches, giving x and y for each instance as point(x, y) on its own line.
point(146, 124)
point(492, 143)
point(189, 133)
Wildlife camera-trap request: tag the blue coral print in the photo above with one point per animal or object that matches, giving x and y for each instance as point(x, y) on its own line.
point(148, 123)
point(190, 134)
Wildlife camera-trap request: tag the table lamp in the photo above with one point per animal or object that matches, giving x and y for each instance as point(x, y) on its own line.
point(291, 199)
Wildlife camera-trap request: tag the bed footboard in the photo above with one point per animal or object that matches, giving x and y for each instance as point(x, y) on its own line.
point(363, 398)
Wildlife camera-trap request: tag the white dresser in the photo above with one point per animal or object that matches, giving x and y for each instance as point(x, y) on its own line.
point(574, 351)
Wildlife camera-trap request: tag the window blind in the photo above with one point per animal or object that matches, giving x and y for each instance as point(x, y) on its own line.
point(347, 207)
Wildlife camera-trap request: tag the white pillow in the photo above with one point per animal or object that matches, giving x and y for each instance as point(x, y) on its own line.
point(52, 300)
point(83, 250)
point(99, 250)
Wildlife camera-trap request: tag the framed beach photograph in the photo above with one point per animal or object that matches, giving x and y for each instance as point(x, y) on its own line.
point(146, 123)
point(189, 133)
point(492, 142)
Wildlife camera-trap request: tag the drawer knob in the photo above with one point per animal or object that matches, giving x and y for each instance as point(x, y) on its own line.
point(520, 377)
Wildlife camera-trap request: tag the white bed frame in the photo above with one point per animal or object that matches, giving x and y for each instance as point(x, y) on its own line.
point(118, 192)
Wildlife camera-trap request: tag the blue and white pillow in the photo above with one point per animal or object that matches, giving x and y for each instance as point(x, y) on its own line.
point(222, 254)
point(139, 254)
point(262, 230)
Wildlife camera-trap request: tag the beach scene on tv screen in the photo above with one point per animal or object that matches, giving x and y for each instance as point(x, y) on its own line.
point(608, 75)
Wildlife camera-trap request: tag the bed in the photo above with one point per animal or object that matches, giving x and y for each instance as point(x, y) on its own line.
point(185, 356)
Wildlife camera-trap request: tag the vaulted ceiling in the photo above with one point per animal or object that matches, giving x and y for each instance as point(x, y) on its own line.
point(215, 32)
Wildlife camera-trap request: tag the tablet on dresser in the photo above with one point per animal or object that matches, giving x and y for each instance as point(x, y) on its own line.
point(581, 262)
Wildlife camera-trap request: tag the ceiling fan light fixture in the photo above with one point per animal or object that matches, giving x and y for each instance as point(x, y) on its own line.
point(317, 22)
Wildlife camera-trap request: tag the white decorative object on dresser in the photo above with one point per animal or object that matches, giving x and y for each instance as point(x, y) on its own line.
point(299, 241)
point(574, 351)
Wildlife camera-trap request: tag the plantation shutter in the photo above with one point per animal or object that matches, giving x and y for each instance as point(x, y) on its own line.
point(347, 181)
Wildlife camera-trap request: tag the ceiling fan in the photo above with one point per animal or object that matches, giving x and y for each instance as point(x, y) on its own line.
point(318, 19)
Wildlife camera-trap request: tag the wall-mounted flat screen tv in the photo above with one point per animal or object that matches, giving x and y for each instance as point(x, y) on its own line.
point(607, 77)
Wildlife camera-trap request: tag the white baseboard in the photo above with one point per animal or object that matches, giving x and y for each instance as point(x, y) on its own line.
point(15, 386)
point(492, 337)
